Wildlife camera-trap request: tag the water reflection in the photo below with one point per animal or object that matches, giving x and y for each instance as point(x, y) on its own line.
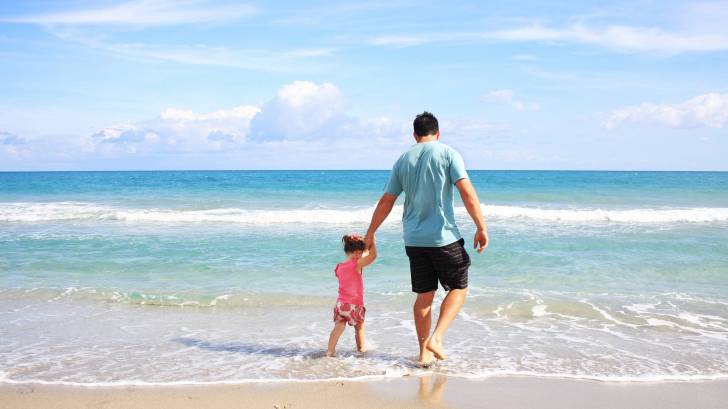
point(431, 388)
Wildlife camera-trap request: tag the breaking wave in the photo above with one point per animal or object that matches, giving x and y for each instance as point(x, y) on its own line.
point(78, 211)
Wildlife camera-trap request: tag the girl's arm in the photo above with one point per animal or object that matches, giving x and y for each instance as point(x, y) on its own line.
point(368, 257)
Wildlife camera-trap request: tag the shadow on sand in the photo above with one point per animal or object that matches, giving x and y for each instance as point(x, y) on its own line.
point(251, 348)
point(288, 351)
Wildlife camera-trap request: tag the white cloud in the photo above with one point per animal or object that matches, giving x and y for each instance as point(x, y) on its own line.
point(143, 13)
point(304, 125)
point(11, 144)
point(616, 37)
point(176, 131)
point(709, 110)
point(405, 40)
point(308, 111)
point(126, 138)
point(268, 60)
point(524, 57)
point(244, 112)
point(507, 97)
point(299, 60)
point(622, 38)
point(299, 110)
point(7, 138)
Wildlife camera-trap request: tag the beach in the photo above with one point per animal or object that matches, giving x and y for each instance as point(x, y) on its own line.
point(195, 194)
point(125, 286)
point(419, 392)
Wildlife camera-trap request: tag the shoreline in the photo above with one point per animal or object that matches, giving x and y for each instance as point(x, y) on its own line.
point(437, 391)
point(374, 378)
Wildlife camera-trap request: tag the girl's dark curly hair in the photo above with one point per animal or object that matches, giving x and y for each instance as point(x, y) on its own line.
point(352, 243)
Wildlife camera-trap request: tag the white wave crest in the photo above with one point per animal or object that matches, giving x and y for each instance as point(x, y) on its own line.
point(67, 211)
point(688, 215)
point(75, 211)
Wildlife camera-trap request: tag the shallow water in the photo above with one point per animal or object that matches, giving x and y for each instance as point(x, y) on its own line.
point(160, 277)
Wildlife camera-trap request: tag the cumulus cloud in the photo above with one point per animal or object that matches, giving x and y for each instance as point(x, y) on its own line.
point(300, 109)
point(507, 97)
point(709, 110)
point(304, 110)
point(300, 112)
point(126, 138)
point(7, 138)
point(304, 125)
point(11, 144)
point(176, 131)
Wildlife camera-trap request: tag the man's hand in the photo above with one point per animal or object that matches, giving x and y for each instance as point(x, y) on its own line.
point(472, 204)
point(481, 239)
point(368, 240)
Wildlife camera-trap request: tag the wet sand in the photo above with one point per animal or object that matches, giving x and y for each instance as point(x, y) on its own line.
point(435, 391)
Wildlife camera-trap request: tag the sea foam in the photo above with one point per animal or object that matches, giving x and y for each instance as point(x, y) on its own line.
point(79, 211)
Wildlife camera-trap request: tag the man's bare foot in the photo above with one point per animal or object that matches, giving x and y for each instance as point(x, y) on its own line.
point(427, 359)
point(428, 365)
point(329, 354)
point(435, 345)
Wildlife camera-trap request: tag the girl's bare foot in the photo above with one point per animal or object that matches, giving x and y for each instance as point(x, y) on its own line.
point(435, 345)
point(329, 354)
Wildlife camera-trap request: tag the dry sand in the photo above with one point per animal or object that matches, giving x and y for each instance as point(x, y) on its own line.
point(434, 391)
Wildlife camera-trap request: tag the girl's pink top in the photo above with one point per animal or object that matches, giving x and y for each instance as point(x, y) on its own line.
point(351, 285)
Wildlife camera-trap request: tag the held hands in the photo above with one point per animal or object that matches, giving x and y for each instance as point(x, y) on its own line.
point(369, 241)
point(481, 239)
point(370, 252)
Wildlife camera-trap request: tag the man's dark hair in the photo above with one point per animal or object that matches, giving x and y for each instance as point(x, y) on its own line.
point(425, 124)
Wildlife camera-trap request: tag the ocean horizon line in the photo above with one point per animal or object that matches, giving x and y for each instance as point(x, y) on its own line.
point(365, 170)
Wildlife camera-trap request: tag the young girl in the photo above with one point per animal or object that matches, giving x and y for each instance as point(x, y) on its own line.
point(350, 303)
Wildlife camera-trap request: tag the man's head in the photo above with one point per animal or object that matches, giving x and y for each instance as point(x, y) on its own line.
point(425, 124)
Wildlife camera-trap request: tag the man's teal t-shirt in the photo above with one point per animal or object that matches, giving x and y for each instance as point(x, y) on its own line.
point(427, 173)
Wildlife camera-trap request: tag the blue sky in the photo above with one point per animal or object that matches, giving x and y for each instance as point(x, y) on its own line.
point(197, 84)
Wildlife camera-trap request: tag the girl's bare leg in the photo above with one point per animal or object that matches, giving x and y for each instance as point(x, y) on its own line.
point(359, 335)
point(334, 337)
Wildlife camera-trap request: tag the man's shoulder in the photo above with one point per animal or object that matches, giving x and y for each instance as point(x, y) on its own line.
point(436, 150)
point(445, 151)
point(447, 148)
point(401, 158)
point(411, 151)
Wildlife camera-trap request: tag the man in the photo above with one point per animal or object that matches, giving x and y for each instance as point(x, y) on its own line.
point(427, 173)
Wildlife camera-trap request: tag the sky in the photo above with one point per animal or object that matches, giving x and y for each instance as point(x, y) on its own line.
point(203, 84)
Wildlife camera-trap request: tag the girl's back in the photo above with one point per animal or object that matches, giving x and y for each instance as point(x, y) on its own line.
point(351, 285)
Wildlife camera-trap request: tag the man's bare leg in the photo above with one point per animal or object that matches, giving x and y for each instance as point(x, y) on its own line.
point(448, 311)
point(423, 322)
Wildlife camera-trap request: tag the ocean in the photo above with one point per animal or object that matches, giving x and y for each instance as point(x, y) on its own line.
point(113, 278)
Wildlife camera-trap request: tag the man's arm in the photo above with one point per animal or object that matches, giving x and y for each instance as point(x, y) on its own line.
point(472, 204)
point(384, 207)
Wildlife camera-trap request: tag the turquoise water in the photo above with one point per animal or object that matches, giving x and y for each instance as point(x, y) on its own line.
point(123, 277)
